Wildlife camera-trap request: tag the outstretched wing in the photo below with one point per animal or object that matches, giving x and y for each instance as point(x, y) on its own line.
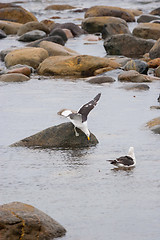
point(86, 108)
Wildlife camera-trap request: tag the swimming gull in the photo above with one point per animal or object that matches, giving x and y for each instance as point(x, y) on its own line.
point(127, 161)
point(79, 118)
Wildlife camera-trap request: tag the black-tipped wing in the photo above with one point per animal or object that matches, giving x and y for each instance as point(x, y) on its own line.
point(86, 108)
point(125, 160)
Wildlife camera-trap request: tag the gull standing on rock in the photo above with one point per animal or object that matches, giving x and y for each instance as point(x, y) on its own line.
point(79, 118)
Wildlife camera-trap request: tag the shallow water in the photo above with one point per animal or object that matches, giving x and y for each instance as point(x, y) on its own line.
point(79, 188)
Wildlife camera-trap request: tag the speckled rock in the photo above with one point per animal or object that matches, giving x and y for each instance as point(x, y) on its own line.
point(16, 14)
point(147, 30)
point(154, 63)
point(154, 125)
point(155, 50)
point(77, 66)
point(13, 77)
point(127, 45)
point(155, 11)
point(29, 56)
point(98, 11)
point(138, 65)
point(60, 136)
point(113, 25)
point(30, 26)
point(10, 28)
point(22, 221)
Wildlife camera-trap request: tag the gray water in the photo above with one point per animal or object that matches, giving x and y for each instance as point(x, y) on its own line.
point(79, 188)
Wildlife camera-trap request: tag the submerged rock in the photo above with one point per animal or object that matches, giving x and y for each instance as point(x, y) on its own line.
point(100, 80)
point(23, 221)
point(14, 77)
point(154, 125)
point(60, 136)
point(138, 87)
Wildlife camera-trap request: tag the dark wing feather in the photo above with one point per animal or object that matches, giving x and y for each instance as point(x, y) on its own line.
point(125, 160)
point(86, 108)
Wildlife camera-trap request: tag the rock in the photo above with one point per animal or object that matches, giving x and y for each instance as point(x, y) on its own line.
point(127, 45)
point(22, 221)
point(30, 26)
point(68, 33)
point(48, 23)
point(100, 80)
point(55, 49)
point(3, 53)
point(10, 28)
point(99, 11)
point(60, 136)
point(29, 56)
point(134, 76)
point(154, 63)
point(111, 25)
point(23, 70)
point(155, 50)
point(155, 107)
point(156, 21)
point(32, 36)
point(16, 14)
point(56, 39)
point(154, 125)
point(6, 5)
point(144, 18)
point(147, 30)
point(59, 7)
point(155, 11)
point(92, 38)
point(13, 77)
point(139, 87)
point(2, 34)
point(77, 66)
point(75, 29)
point(136, 12)
point(138, 65)
point(157, 72)
point(59, 32)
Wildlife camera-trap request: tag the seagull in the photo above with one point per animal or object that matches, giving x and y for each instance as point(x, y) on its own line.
point(79, 118)
point(158, 99)
point(127, 161)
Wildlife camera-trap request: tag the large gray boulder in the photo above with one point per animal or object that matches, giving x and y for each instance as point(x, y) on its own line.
point(60, 136)
point(23, 221)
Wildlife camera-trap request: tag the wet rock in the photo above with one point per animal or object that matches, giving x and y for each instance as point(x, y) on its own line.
point(59, 32)
point(155, 107)
point(16, 14)
point(10, 28)
point(29, 56)
point(154, 125)
point(106, 25)
point(59, 7)
point(13, 77)
point(92, 38)
point(30, 26)
point(157, 72)
point(77, 66)
point(60, 136)
point(144, 18)
point(56, 39)
point(98, 11)
point(138, 65)
point(22, 221)
point(134, 76)
point(155, 11)
point(127, 45)
point(147, 31)
point(155, 50)
point(55, 49)
point(2, 34)
point(100, 80)
point(75, 29)
point(154, 63)
point(23, 70)
point(138, 87)
point(32, 36)
point(68, 33)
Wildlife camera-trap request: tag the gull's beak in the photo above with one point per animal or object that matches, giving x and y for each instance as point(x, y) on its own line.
point(88, 138)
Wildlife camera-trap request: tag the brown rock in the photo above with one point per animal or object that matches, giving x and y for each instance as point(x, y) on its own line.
point(157, 72)
point(13, 77)
point(16, 14)
point(127, 45)
point(96, 24)
point(154, 125)
point(155, 11)
point(138, 87)
point(81, 65)
point(147, 30)
point(23, 70)
point(136, 12)
point(55, 49)
point(68, 33)
point(101, 79)
point(10, 28)
point(154, 63)
point(144, 18)
point(59, 7)
point(22, 221)
point(60, 136)
point(48, 23)
point(134, 76)
point(27, 56)
point(30, 26)
point(155, 50)
point(98, 11)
